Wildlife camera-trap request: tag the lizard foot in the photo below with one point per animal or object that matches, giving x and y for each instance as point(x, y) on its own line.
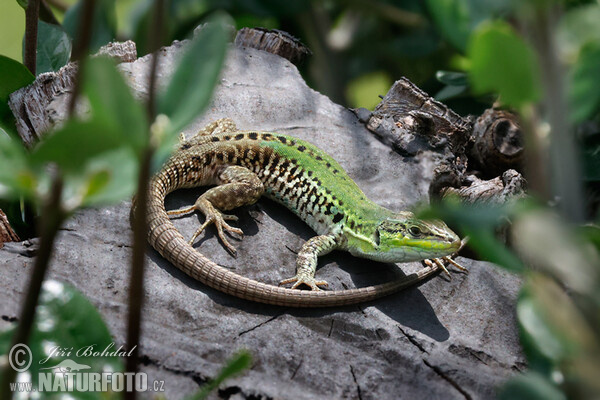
point(304, 280)
point(217, 218)
point(440, 262)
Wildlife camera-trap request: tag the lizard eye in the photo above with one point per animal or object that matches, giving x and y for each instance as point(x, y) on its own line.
point(415, 230)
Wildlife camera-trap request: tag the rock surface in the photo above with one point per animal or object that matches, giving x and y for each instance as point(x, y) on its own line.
point(450, 339)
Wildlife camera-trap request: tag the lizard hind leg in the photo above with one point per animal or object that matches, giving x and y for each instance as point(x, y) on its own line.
point(238, 186)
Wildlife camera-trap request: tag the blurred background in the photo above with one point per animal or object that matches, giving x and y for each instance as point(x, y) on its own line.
point(360, 47)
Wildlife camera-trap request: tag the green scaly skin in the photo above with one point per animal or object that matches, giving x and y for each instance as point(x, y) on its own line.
point(295, 173)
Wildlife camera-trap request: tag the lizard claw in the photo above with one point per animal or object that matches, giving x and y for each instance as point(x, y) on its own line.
point(440, 263)
point(217, 218)
point(304, 280)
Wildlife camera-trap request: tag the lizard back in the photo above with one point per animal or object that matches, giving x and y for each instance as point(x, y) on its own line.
point(294, 173)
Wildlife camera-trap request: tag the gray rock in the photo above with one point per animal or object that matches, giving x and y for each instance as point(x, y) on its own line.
point(446, 338)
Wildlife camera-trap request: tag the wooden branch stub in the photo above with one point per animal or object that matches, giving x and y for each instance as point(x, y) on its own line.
point(497, 142)
point(273, 41)
point(499, 190)
point(7, 234)
point(413, 121)
point(120, 51)
point(29, 104)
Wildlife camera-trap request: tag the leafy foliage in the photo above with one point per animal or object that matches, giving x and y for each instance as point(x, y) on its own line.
point(494, 50)
point(188, 92)
point(190, 88)
point(103, 25)
point(237, 364)
point(15, 77)
point(584, 95)
point(98, 156)
point(53, 48)
point(559, 332)
point(65, 318)
point(457, 19)
point(112, 103)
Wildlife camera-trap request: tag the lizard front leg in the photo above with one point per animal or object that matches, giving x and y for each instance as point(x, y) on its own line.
point(238, 186)
point(306, 262)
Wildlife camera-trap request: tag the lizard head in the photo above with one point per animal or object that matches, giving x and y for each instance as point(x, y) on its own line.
point(403, 238)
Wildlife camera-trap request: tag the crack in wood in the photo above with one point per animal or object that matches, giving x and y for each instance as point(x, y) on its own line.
point(451, 381)
point(293, 251)
point(259, 325)
point(412, 340)
point(356, 383)
point(330, 328)
point(296, 369)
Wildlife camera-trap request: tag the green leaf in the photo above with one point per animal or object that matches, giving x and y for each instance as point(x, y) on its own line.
point(448, 92)
point(502, 62)
point(165, 143)
point(452, 78)
point(235, 365)
point(530, 386)
point(590, 233)
point(23, 3)
point(66, 319)
point(196, 75)
point(87, 152)
point(456, 19)
point(544, 240)
point(584, 93)
point(13, 76)
point(53, 48)
point(479, 222)
point(15, 176)
point(456, 84)
point(103, 23)
point(112, 103)
point(539, 341)
point(555, 332)
point(452, 19)
point(75, 143)
point(110, 178)
point(486, 244)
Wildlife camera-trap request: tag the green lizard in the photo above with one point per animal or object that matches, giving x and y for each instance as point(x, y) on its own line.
point(246, 165)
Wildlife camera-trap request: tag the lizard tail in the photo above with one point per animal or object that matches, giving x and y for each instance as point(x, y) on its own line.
point(167, 240)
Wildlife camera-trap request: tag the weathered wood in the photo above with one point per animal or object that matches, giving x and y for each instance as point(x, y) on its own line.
point(413, 121)
point(499, 190)
point(497, 142)
point(29, 104)
point(273, 41)
point(7, 234)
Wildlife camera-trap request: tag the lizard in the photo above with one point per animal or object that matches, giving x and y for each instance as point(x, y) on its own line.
point(248, 164)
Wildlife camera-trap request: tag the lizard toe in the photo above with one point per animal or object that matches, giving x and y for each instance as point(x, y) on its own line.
point(304, 280)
